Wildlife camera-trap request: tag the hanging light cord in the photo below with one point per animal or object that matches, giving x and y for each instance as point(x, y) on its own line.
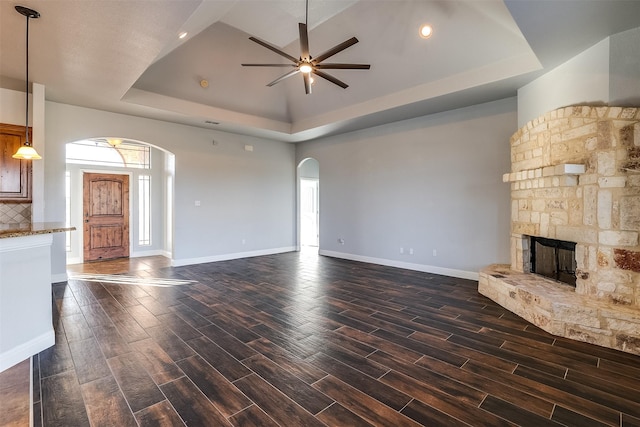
point(27, 88)
point(26, 151)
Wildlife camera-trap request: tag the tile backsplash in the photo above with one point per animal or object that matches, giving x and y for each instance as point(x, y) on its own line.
point(11, 213)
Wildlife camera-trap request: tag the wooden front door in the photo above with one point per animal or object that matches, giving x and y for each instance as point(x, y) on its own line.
point(106, 216)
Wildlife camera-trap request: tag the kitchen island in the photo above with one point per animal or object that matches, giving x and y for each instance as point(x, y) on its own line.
point(26, 320)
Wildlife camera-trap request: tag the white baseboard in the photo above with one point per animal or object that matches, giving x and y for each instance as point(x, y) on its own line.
point(139, 254)
point(74, 260)
point(462, 274)
point(153, 252)
point(24, 351)
point(226, 257)
point(57, 278)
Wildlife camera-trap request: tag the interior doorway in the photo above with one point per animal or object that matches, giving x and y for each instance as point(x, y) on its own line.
point(309, 204)
point(309, 233)
point(150, 170)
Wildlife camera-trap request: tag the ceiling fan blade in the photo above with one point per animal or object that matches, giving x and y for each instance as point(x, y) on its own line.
point(268, 65)
point(286, 76)
point(343, 66)
point(274, 49)
point(304, 42)
point(307, 83)
point(332, 79)
point(336, 49)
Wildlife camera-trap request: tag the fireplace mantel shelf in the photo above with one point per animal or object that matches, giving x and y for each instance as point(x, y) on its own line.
point(548, 171)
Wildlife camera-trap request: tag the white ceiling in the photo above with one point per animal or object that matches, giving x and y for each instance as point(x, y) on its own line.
point(124, 56)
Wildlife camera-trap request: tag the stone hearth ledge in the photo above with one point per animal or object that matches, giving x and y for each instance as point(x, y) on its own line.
point(556, 308)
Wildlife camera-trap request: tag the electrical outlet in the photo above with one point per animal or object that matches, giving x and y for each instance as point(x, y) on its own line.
point(435, 253)
point(410, 251)
point(401, 250)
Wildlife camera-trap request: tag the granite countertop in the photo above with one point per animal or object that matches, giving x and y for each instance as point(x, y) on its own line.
point(30, 229)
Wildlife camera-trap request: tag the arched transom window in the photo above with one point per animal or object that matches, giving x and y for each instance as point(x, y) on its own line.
point(109, 152)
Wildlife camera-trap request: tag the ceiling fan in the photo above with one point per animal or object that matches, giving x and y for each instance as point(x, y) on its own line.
point(307, 64)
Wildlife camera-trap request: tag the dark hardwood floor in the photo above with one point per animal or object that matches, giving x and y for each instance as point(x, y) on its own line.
point(301, 340)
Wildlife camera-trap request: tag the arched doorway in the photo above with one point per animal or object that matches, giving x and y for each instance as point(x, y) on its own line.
point(149, 175)
point(309, 204)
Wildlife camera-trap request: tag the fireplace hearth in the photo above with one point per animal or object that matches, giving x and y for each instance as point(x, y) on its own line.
point(575, 226)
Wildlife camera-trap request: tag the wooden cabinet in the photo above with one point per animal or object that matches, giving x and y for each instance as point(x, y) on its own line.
point(15, 174)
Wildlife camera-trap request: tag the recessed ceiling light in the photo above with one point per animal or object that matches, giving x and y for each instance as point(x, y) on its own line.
point(426, 31)
point(204, 83)
point(182, 35)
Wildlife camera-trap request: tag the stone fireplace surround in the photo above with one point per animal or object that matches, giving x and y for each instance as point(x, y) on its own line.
point(575, 176)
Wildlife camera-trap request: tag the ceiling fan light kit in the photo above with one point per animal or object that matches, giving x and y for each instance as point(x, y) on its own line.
point(426, 31)
point(306, 64)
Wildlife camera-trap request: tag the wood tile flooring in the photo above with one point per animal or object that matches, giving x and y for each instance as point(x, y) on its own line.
point(301, 340)
point(14, 395)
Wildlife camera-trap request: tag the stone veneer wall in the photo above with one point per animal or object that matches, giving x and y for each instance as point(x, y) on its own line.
point(576, 177)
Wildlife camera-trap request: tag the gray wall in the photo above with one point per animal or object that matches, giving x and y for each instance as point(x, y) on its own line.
point(582, 80)
point(430, 183)
point(607, 73)
point(624, 67)
point(244, 196)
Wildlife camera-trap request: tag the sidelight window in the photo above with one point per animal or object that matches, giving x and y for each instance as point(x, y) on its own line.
point(144, 210)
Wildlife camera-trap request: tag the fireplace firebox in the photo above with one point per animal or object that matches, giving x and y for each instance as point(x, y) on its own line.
point(555, 259)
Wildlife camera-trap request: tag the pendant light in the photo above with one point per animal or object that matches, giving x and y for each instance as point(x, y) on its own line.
point(26, 151)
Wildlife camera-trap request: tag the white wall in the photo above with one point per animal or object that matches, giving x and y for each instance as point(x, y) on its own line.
point(11, 107)
point(243, 195)
point(583, 79)
point(624, 87)
point(607, 73)
point(433, 182)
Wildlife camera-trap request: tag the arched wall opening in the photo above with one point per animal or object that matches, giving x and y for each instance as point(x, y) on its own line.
point(151, 192)
point(308, 180)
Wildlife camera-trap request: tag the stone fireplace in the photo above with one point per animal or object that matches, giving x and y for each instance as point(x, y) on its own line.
point(575, 179)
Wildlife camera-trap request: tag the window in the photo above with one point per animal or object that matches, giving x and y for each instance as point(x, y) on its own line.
point(126, 154)
point(144, 210)
point(67, 183)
